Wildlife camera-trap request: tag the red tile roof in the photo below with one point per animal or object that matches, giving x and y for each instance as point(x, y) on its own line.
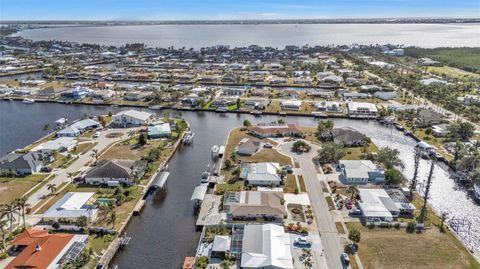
point(51, 245)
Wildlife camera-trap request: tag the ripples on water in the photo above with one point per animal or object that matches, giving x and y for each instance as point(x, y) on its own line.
point(274, 35)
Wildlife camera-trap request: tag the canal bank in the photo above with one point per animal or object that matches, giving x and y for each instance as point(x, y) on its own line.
point(165, 231)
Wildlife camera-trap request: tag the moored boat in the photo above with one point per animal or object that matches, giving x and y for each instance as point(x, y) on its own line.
point(28, 101)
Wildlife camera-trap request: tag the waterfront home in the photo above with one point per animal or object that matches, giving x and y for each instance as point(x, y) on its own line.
point(60, 144)
point(113, 172)
point(362, 110)
point(50, 92)
point(234, 91)
point(39, 249)
point(332, 79)
point(262, 174)
point(427, 118)
point(320, 93)
point(355, 95)
point(360, 172)
point(378, 205)
point(348, 137)
point(77, 93)
point(328, 106)
point(248, 147)
point(21, 164)
point(266, 246)
point(223, 102)
point(131, 118)
point(429, 62)
point(291, 104)
point(136, 96)
point(68, 131)
point(433, 81)
point(255, 104)
point(190, 100)
point(469, 99)
point(402, 108)
point(275, 130)
point(385, 95)
point(440, 130)
point(70, 207)
point(252, 205)
point(221, 246)
point(159, 130)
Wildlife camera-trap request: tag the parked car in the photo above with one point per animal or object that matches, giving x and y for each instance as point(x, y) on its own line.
point(349, 205)
point(303, 241)
point(345, 259)
point(355, 213)
point(268, 146)
point(78, 179)
point(288, 168)
point(96, 135)
point(46, 169)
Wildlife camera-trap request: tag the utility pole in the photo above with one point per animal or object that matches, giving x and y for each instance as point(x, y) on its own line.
point(423, 212)
point(413, 183)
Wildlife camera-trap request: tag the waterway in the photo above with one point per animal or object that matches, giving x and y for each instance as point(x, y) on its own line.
point(164, 233)
point(273, 35)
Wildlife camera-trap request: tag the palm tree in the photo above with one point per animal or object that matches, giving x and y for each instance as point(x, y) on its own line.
point(10, 210)
point(95, 154)
point(22, 205)
point(3, 225)
point(353, 190)
point(112, 218)
point(70, 176)
point(52, 188)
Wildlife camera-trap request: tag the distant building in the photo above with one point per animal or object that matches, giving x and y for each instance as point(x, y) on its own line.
point(362, 110)
point(275, 130)
point(291, 104)
point(428, 118)
point(329, 106)
point(131, 118)
point(385, 95)
point(21, 164)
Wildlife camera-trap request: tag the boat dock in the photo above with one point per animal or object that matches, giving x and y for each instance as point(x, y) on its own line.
point(112, 249)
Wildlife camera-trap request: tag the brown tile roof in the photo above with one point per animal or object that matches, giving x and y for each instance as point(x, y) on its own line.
point(269, 204)
point(51, 245)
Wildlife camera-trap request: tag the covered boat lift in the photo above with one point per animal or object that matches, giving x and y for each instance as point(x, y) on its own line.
point(160, 181)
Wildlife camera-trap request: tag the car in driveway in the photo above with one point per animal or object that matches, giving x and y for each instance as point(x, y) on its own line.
point(96, 135)
point(268, 146)
point(345, 259)
point(303, 241)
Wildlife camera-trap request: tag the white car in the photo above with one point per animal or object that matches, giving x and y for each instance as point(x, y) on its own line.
point(96, 135)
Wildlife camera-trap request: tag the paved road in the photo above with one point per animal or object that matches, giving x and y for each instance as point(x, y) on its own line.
point(326, 226)
point(79, 164)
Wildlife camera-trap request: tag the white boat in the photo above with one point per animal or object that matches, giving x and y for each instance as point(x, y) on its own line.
point(28, 101)
point(188, 138)
point(205, 177)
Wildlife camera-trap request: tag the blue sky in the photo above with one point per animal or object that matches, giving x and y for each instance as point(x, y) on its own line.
point(227, 9)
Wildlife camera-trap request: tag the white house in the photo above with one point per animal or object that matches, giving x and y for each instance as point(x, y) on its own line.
point(328, 106)
point(291, 104)
point(131, 118)
point(362, 110)
point(360, 172)
point(69, 131)
point(263, 174)
point(71, 206)
point(266, 246)
point(59, 144)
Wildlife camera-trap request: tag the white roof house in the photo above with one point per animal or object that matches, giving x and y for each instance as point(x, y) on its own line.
point(266, 246)
point(69, 131)
point(85, 124)
point(131, 117)
point(221, 243)
point(376, 205)
point(71, 206)
point(360, 171)
point(291, 104)
point(362, 110)
point(263, 173)
point(59, 144)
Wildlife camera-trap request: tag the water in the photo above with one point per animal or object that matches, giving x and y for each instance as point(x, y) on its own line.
point(164, 232)
point(274, 35)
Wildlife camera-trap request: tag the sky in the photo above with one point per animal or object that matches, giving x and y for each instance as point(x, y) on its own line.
point(232, 10)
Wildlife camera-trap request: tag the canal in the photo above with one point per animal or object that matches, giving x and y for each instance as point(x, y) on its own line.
point(164, 233)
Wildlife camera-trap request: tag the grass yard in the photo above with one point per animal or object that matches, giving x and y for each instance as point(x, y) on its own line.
point(309, 133)
point(301, 181)
point(451, 72)
point(382, 248)
point(339, 227)
point(356, 153)
point(226, 187)
point(128, 150)
point(99, 243)
point(83, 148)
point(330, 203)
point(274, 106)
point(290, 184)
point(434, 141)
point(11, 188)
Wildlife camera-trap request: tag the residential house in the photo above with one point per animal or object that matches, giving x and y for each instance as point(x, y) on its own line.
point(72, 206)
point(161, 130)
point(60, 144)
point(348, 137)
point(426, 118)
point(115, 171)
point(221, 246)
point(329, 106)
point(39, 249)
point(234, 91)
point(21, 164)
point(266, 246)
point(131, 118)
point(385, 95)
point(262, 174)
point(376, 205)
point(77, 93)
point(362, 110)
point(440, 130)
point(252, 205)
point(291, 104)
point(275, 130)
point(248, 147)
point(360, 172)
point(432, 81)
point(355, 95)
point(255, 104)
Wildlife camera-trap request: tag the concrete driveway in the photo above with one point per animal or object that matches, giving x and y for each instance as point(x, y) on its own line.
point(329, 236)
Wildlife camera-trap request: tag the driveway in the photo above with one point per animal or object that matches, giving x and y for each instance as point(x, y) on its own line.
point(326, 226)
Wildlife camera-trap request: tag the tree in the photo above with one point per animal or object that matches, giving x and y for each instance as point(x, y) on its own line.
point(201, 262)
point(281, 121)
point(355, 236)
point(10, 210)
point(228, 163)
point(81, 221)
point(52, 188)
point(226, 264)
point(394, 177)
point(22, 205)
point(330, 153)
point(353, 190)
point(112, 218)
point(3, 231)
point(142, 139)
point(461, 130)
point(324, 129)
point(301, 146)
point(95, 154)
point(389, 158)
point(247, 123)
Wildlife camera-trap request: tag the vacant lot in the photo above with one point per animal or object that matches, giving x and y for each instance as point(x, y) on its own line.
point(129, 150)
point(11, 188)
point(382, 248)
point(356, 153)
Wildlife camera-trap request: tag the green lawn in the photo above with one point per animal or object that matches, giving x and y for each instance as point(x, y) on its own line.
point(226, 187)
point(290, 184)
point(356, 153)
